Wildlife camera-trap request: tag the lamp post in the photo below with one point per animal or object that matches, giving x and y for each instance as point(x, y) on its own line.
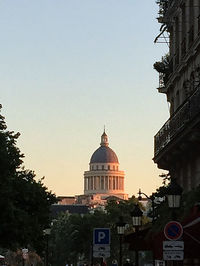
point(151, 198)
point(120, 231)
point(136, 215)
point(47, 232)
point(174, 193)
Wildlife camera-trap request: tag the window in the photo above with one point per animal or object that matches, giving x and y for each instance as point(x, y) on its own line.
point(102, 167)
point(191, 23)
point(108, 167)
point(97, 167)
point(199, 24)
point(198, 19)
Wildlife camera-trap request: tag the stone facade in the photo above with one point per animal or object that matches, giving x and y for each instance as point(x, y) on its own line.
point(177, 144)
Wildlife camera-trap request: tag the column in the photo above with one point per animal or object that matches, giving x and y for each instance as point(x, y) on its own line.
point(94, 183)
point(106, 183)
point(89, 183)
point(85, 183)
point(110, 182)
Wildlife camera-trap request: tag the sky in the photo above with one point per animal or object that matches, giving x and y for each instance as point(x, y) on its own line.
point(69, 67)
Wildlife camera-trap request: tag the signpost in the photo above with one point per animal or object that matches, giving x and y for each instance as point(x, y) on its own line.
point(173, 245)
point(173, 249)
point(101, 236)
point(99, 254)
point(173, 254)
point(173, 230)
point(101, 242)
point(101, 248)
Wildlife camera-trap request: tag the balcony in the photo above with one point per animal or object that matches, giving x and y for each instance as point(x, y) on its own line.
point(184, 118)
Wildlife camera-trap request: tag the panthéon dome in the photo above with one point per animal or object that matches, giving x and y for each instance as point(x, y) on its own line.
point(104, 178)
point(104, 154)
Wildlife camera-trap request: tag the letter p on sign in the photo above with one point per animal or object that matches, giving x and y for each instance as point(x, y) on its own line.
point(101, 236)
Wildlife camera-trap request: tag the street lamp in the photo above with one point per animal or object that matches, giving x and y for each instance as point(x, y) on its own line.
point(151, 198)
point(46, 233)
point(136, 215)
point(174, 193)
point(120, 231)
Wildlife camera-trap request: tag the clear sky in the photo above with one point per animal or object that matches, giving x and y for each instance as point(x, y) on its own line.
point(69, 67)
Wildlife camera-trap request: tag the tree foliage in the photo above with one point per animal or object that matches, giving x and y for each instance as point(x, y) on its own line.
point(24, 202)
point(71, 237)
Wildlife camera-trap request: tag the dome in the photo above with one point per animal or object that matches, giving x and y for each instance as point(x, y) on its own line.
point(104, 154)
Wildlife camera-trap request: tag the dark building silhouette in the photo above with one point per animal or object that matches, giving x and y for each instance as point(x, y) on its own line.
point(177, 143)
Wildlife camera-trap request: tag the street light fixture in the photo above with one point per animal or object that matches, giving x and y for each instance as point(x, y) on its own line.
point(136, 215)
point(120, 231)
point(174, 193)
point(152, 199)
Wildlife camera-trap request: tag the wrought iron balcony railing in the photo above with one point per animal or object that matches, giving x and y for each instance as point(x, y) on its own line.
point(178, 121)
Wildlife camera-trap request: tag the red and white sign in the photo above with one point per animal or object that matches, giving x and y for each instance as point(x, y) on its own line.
point(173, 230)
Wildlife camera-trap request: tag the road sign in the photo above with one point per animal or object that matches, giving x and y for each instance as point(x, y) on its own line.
point(101, 248)
point(101, 236)
point(173, 245)
point(173, 230)
point(101, 254)
point(173, 255)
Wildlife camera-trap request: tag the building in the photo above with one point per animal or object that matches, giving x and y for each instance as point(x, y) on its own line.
point(66, 200)
point(104, 178)
point(57, 209)
point(177, 143)
point(102, 183)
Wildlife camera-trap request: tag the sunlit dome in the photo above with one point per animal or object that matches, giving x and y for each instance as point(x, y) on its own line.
point(104, 154)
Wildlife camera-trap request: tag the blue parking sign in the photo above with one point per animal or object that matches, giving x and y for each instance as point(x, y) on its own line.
point(101, 236)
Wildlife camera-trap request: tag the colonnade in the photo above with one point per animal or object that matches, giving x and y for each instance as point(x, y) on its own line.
point(105, 183)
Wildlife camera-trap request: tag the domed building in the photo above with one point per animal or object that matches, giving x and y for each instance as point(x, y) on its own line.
point(104, 179)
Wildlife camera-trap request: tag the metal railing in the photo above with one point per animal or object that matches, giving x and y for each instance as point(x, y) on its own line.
point(178, 121)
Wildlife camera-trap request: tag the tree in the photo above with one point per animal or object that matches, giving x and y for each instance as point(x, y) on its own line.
point(71, 236)
point(24, 202)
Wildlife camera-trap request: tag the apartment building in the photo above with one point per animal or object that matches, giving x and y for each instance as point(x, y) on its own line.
point(177, 143)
